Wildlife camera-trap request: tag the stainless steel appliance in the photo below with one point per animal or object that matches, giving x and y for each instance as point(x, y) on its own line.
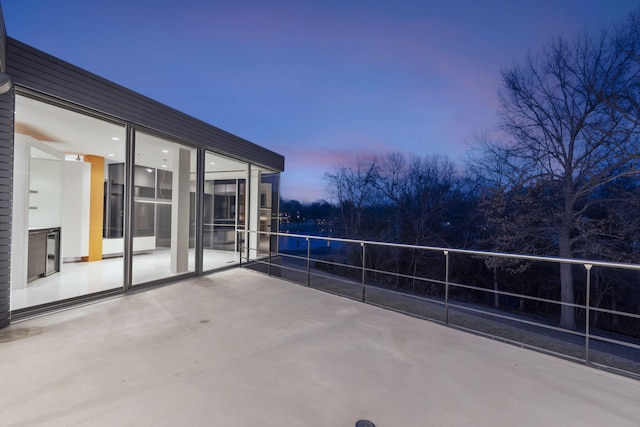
point(53, 252)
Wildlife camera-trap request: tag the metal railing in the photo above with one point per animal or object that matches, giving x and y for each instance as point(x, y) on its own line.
point(438, 289)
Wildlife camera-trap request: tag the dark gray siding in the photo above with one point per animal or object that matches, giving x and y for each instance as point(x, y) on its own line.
point(36, 70)
point(6, 195)
point(3, 42)
point(6, 186)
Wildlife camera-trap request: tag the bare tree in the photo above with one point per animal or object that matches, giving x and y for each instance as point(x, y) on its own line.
point(354, 189)
point(423, 191)
point(568, 115)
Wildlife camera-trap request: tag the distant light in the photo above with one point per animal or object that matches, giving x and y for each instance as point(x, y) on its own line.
point(115, 138)
point(149, 170)
point(110, 154)
point(165, 151)
point(212, 163)
point(164, 166)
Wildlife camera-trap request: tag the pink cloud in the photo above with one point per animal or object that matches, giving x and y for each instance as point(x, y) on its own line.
point(342, 149)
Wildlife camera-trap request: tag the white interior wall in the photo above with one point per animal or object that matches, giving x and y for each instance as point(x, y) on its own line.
point(76, 207)
point(45, 193)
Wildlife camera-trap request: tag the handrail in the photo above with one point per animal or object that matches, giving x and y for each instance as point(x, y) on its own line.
point(576, 261)
point(274, 259)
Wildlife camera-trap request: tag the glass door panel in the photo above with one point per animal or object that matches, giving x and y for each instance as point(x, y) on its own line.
point(163, 236)
point(67, 204)
point(224, 210)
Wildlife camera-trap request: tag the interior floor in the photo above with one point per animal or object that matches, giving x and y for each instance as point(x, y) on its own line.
point(82, 278)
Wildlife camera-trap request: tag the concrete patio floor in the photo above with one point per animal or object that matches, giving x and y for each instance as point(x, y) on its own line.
point(238, 348)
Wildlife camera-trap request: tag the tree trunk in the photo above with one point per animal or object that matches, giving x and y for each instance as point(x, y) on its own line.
point(615, 319)
point(567, 313)
point(414, 260)
point(596, 291)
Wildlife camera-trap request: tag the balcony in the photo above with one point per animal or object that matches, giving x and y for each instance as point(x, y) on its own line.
point(509, 297)
point(240, 348)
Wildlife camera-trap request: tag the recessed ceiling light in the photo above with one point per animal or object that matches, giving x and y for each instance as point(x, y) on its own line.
point(212, 163)
point(73, 157)
point(115, 138)
point(110, 154)
point(149, 170)
point(165, 151)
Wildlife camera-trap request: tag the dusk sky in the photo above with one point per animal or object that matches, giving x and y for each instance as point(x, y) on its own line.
point(321, 82)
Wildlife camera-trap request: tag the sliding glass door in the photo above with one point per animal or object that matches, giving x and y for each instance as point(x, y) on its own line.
point(163, 209)
point(70, 206)
point(224, 210)
point(68, 166)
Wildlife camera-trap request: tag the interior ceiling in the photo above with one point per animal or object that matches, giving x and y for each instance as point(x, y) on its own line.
point(72, 133)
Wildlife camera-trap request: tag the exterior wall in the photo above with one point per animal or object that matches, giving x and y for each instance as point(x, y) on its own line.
point(41, 72)
point(3, 42)
point(6, 186)
point(35, 72)
point(6, 191)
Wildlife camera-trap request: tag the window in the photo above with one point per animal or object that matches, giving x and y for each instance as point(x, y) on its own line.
point(68, 167)
point(163, 209)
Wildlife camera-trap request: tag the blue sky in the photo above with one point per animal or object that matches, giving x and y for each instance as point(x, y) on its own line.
point(321, 82)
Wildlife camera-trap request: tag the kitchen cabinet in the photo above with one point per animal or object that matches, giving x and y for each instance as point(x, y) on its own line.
point(43, 253)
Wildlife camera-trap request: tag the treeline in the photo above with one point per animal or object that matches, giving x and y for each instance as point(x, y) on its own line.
point(560, 176)
point(296, 216)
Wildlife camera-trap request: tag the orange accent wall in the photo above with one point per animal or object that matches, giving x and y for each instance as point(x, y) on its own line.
point(96, 210)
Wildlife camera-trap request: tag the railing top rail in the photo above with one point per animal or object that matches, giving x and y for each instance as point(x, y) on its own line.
point(486, 254)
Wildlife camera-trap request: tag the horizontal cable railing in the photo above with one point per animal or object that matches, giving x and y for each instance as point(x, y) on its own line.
point(455, 287)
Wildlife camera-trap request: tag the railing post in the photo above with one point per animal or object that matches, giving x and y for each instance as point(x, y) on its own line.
point(308, 262)
point(364, 269)
point(446, 287)
point(247, 243)
point(238, 236)
point(269, 258)
point(587, 304)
